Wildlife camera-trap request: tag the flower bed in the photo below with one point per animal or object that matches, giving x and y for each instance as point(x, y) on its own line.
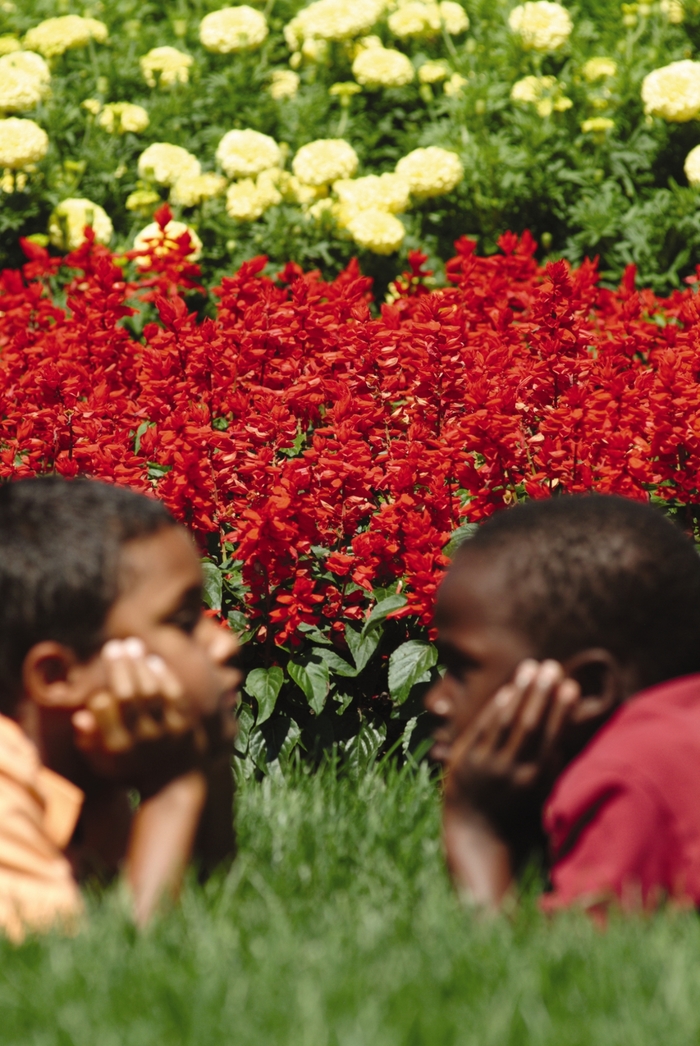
point(314, 131)
point(325, 452)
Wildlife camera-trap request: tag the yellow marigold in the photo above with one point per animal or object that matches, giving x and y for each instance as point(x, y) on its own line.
point(29, 63)
point(315, 50)
point(8, 44)
point(22, 142)
point(191, 189)
point(68, 221)
point(455, 84)
point(272, 186)
point(382, 67)
point(164, 241)
point(284, 84)
point(123, 117)
point(332, 20)
point(433, 72)
point(376, 231)
point(233, 29)
point(381, 192)
point(18, 91)
point(673, 92)
point(142, 200)
point(598, 68)
point(167, 163)
point(166, 65)
point(324, 161)
point(92, 105)
point(541, 25)
point(544, 92)
point(673, 10)
point(454, 17)
point(415, 18)
point(56, 35)
point(244, 201)
point(298, 192)
point(692, 166)
point(431, 172)
point(246, 152)
point(597, 125)
point(12, 181)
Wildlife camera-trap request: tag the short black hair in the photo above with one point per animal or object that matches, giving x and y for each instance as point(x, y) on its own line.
point(599, 571)
point(59, 565)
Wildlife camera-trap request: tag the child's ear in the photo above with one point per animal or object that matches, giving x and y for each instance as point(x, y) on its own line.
point(47, 676)
point(602, 684)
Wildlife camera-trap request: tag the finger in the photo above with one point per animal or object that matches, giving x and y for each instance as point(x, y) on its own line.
point(174, 711)
point(112, 733)
point(566, 696)
point(496, 723)
point(85, 729)
point(121, 679)
point(533, 707)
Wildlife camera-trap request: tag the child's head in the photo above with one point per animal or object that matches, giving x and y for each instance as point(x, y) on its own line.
point(607, 586)
point(82, 562)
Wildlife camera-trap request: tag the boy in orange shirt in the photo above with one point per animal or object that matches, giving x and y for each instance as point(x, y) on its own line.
point(570, 705)
point(111, 679)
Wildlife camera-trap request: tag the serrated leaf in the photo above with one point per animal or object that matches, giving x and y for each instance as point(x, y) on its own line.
point(361, 751)
point(382, 610)
point(313, 678)
point(264, 684)
point(362, 646)
point(410, 664)
point(246, 721)
point(213, 586)
point(336, 663)
point(282, 736)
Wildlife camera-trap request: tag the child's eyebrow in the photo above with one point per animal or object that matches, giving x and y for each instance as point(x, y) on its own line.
point(191, 599)
point(454, 660)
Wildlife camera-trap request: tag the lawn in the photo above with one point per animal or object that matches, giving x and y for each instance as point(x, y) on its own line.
point(337, 927)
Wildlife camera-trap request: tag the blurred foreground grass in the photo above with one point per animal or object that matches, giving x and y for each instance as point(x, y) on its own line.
point(337, 927)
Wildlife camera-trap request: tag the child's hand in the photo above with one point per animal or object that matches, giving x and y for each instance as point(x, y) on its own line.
point(142, 700)
point(511, 746)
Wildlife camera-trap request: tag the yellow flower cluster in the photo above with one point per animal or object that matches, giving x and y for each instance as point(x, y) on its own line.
point(431, 172)
point(233, 29)
point(433, 72)
point(382, 67)
point(418, 19)
point(541, 25)
point(597, 125)
point(332, 20)
point(673, 91)
point(191, 189)
point(673, 10)
point(598, 68)
point(247, 152)
point(544, 92)
point(692, 166)
point(166, 163)
point(22, 142)
point(165, 65)
point(164, 241)
point(8, 44)
point(376, 231)
point(245, 202)
point(24, 81)
point(324, 161)
point(68, 221)
point(380, 192)
point(123, 117)
point(56, 35)
point(284, 84)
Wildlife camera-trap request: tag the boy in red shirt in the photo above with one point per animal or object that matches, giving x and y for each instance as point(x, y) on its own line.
point(111, 679)
point(570, 705)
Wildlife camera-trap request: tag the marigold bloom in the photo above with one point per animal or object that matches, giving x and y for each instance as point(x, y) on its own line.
point(162, 242)
point(454, 85)
point(376, 231)
point(416, 18)
point(191, 189)
point(165, 65)
point(332, 20)
point(122, 118)
point(8, 44)
point(673, 10)
point(22, 142)
point(598, 68)
point(433, 72)
point(673, 91)
point(18, 90)
point(233, 29)
point(284, 84)
point(244, 202)
point(68, 221)
point(597, 125)
point(246, 152)
point(431, 172)
point(167, 163)
point(56, 35)
point(382, 67)
point(692, 166)
point(324, 161)
point(382, 192)
point(541, 25)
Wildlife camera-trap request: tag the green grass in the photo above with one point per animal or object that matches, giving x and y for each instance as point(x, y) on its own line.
point(337, 927)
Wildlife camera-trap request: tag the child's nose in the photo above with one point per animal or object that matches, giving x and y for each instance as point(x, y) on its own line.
point(437, 702)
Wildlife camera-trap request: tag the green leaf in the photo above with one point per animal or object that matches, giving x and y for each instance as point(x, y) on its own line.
point(246, 721)
point(361, 750)
point(459, 536)
point(264, 684)
point(382, 610)
point(313, 678)
point(362, 646)
point(213, 588)
point(410, 664)
point(344, 701)
point(282, 736)
point(336, 663)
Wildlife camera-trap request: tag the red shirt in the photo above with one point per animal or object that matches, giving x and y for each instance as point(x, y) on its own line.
point(623, 819)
